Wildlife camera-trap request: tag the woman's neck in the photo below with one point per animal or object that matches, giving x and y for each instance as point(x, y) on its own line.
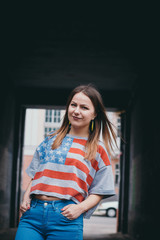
point(78, 132)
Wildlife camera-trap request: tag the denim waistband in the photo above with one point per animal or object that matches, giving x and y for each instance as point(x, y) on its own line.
point(36, 201)
point(47, 201)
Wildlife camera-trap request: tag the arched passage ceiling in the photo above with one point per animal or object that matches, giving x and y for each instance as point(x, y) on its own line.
point(49, 54)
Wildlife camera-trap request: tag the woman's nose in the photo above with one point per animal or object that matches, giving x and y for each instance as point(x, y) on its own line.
point(76, 110)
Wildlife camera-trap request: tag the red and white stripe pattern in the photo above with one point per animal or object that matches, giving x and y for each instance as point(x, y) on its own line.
point(64, 173)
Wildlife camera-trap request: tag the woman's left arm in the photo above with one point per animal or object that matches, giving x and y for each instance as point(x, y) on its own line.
point(73, 211)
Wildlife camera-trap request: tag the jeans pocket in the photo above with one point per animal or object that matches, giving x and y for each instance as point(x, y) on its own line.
point(25, 214)
point(78, 220)
point(59, 211)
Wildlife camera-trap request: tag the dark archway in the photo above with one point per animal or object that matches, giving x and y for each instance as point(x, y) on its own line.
point(45, 55)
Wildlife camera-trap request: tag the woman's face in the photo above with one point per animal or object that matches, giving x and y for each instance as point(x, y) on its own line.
point(81, 111)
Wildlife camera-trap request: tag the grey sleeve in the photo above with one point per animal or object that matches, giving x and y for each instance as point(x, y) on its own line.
point(103, 184)
point(32, 169)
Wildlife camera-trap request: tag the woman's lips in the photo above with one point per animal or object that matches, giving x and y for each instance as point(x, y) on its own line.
point(76, 118)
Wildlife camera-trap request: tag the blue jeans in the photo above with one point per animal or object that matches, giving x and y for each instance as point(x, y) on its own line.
point(44, 221)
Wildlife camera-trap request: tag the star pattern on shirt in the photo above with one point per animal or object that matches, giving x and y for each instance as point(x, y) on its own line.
point(64, 149)
point(61, 159)
point(44, 145)
point(58, 156)
point(69, 139)
point(67, 144)
point(53, 158)
point(59, 152)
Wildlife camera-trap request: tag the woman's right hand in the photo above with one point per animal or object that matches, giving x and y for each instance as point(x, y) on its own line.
point(25, 205)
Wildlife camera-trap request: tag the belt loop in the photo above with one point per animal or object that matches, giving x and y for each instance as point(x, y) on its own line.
point(53, 204)
point(34, 202)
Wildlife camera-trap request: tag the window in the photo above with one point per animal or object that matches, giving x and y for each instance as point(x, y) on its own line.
point(48, 116)
point(53, 116)
point(48, 130)
point(57, 116)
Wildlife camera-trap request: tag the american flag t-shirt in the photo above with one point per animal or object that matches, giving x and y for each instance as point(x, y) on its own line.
point(65, 173)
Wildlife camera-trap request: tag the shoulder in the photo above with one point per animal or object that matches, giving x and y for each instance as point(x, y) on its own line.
point(51, 134)
point(47, 141)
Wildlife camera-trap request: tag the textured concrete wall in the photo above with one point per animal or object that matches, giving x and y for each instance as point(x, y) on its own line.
point(144, 166)
point(6, 154)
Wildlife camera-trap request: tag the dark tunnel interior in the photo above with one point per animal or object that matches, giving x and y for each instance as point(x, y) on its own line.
point(46, 51)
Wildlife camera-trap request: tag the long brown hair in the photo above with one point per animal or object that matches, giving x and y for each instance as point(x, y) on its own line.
point(101, 122)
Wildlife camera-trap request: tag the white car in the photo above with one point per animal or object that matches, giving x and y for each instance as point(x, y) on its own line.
point(110, 208)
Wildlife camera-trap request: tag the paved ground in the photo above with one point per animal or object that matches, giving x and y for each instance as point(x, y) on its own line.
point(98, 226)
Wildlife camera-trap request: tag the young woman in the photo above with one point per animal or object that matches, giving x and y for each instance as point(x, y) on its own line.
point(70, 171)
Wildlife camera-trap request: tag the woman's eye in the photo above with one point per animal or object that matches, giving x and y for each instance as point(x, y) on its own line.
point(73, 104)
point(85, 108)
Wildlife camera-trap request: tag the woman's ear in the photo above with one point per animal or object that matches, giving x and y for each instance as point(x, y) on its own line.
point(95, 115)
